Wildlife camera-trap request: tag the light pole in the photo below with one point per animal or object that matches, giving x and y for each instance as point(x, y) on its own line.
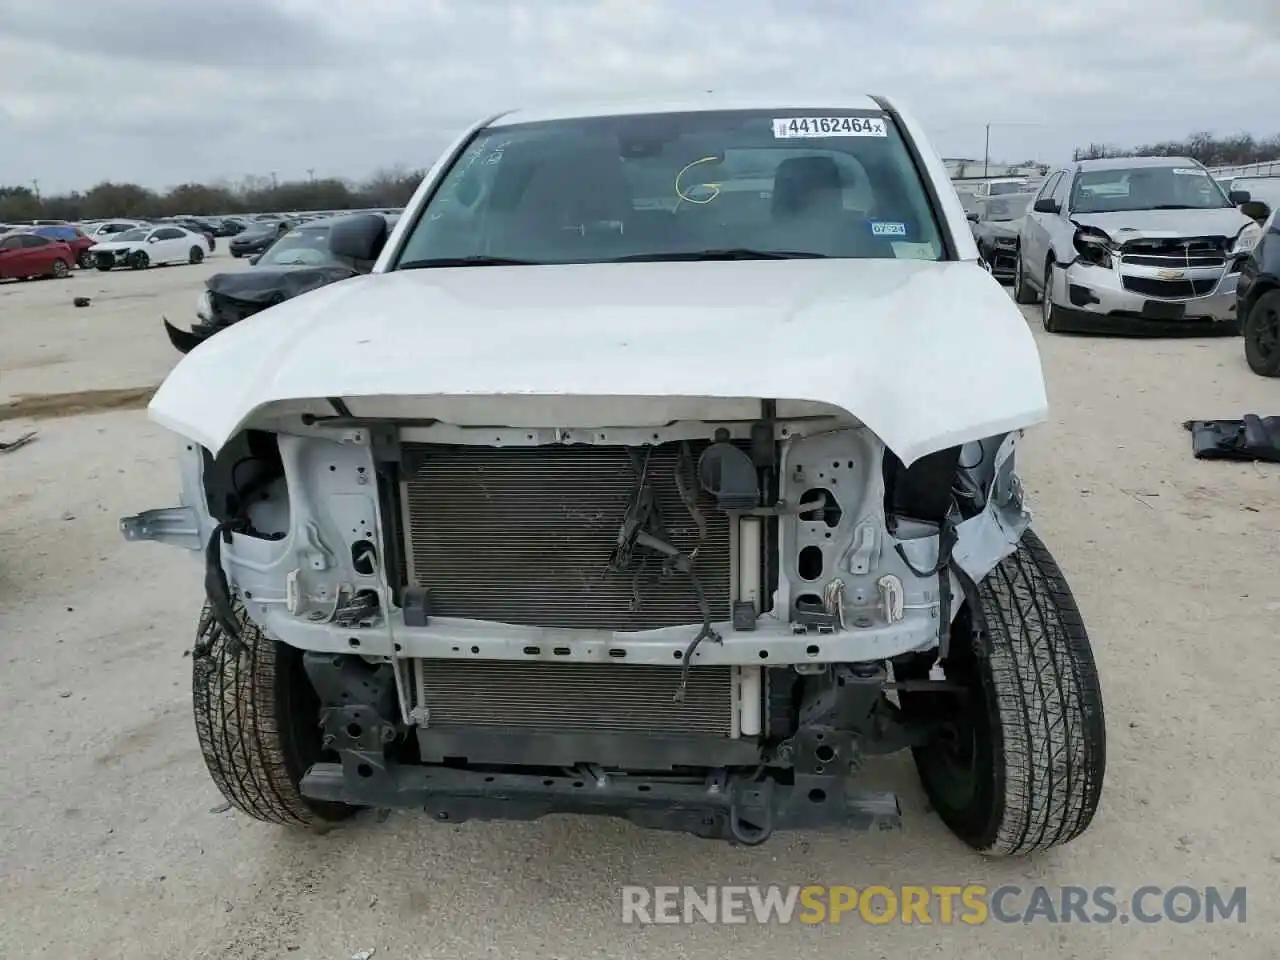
point(986, 149)
point(311, 174)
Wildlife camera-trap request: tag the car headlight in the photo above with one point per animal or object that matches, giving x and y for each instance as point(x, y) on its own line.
point(204, 306)
point(1094, 247)
point(1247, 239)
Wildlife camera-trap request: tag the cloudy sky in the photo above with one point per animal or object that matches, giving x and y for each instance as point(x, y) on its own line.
point(166, 91)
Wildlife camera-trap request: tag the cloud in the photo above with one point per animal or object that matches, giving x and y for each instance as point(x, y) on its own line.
point(161, 92)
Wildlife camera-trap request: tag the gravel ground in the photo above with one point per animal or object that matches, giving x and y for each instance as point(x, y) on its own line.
point(114, 843)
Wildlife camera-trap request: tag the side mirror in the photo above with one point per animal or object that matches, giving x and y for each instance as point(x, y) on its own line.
point(358, 237)
point(1238, 196)
point(253, 261)
point(1255, 209)
point(1047, 205)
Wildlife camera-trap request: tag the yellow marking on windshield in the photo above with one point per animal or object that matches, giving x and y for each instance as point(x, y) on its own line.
point(715, 187)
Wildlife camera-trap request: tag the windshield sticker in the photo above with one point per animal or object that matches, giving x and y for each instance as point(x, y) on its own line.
point(887, 228)
point(913, 251)
point(1188, 171)
point(787, 128)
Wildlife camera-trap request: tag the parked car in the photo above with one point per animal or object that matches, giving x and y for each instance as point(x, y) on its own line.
point(587, 501)
point(1135, 244)
point(296, 263)
point(107, 229)
point(1258, 300)
point(73, 237)
point(230, 226)
point(996, 224)
point(149, 246)
point(25, 255)
point(192, 225)
point(257, 236)
point(1258, 189)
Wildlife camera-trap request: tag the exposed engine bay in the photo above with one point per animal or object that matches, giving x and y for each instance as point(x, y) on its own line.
point(679, 611)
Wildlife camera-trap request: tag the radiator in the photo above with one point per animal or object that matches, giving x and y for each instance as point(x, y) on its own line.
point(523, 535)
point(573, 697)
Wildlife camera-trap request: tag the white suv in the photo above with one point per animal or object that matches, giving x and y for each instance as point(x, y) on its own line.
point(617, 489)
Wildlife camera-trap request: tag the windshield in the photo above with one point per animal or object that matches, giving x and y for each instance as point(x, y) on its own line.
point(676, 186)
point(1146, 188)
point(1000, 189)
point(299, 248)
point(130, 235)
point(1009, 208)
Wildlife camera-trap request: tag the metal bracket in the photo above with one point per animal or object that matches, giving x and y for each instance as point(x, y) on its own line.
point(863, 549)
point(175, 526)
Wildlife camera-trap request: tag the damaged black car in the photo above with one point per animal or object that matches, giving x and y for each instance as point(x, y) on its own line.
point(300, 261)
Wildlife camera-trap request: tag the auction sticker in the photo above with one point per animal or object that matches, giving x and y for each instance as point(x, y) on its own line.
point(787, 128)
point(1188, 171)
point(888, 228)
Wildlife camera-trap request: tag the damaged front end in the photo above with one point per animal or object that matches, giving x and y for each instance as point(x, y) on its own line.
point(231, 297)
point(1142, 279)
point(690, 623)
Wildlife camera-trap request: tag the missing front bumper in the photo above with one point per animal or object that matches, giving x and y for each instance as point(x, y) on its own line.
point(722, 807)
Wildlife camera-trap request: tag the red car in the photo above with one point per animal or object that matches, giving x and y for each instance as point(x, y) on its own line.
point(25, 255)
point(72, 236)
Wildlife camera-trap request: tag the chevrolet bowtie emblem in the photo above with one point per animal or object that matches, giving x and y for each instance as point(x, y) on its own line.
point(1172, 274)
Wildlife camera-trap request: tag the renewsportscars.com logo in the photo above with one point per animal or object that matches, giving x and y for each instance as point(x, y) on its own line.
point(972, 904)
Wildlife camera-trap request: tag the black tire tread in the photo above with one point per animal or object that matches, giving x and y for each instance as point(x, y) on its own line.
point(242, 721)
point(1260, 364)
point(1044, 683)
point(1022, 292)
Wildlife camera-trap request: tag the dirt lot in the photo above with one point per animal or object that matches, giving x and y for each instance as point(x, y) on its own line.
point(114, 843)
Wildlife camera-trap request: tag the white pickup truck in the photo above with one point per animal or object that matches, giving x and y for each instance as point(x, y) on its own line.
point(617, 489)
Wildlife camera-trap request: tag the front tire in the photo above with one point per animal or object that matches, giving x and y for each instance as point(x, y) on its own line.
point(1048, 311)
point(61, 269)
point(196, 255)
point(1022, 292)
point(139, 260)
point(1262, 335)
point(1019, 762)
point(258, 722)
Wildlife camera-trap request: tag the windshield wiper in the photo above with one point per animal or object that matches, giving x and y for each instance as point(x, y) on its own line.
point(1179, 206)
point(477, 261)
point(732, 253)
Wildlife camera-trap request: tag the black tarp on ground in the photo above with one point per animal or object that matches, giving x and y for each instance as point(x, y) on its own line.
point(1248, 439)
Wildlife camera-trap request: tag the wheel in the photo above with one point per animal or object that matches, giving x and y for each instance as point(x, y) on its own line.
point(257, 720)
point(1018, 761)
point(104, 265)
point(1048, 312)
point(1022, 293)
point(139, 260)
point(196, 255)
point(236, 254)
point(1262, 335)
point(60, 269)
point(84, 261)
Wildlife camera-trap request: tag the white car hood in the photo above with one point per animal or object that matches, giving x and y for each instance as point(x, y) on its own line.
point(925, 354)
point(1124, 225)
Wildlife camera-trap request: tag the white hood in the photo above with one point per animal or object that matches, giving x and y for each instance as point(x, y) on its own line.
point(925, 354)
